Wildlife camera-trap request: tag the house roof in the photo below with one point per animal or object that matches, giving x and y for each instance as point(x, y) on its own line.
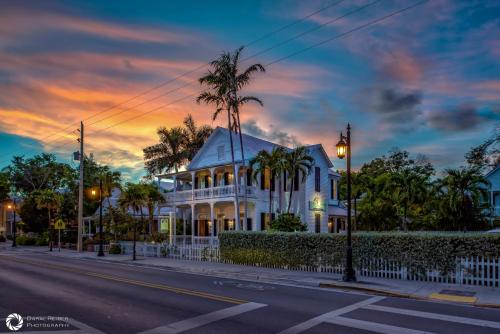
point(493, 171)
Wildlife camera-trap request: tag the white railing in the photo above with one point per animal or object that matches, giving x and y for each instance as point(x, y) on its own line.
point(105, 247)
point(207, 193)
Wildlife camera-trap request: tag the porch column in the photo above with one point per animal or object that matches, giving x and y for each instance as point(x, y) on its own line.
point(212, 175)
point(175, 183)
point(192, 222)
point(174, 224)
point(212, 219)
point(236, 216)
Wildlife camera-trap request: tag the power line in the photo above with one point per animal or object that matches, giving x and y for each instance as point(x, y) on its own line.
point(177, 78)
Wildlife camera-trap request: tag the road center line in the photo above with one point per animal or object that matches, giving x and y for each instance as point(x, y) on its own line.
point(205, 319)
point(373, 326)
point(324, 317)
point(444, 317)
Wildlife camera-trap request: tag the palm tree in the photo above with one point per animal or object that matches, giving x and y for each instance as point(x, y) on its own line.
point(153, 198)
point(220, 94)
point(169, 154)
point(50, 200)
point(134, 196)
point(110, 180)
point(259, 165)
point(278, 164)
point(464, 189)
point(237, 81)
point(298, 162)
point(195, 136)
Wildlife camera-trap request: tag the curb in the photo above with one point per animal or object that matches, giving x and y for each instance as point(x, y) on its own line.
point(390, 293)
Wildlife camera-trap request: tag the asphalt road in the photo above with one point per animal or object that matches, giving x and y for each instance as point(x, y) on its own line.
point(98, 297)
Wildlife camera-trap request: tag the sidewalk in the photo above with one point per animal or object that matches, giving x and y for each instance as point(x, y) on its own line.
point(475, 295)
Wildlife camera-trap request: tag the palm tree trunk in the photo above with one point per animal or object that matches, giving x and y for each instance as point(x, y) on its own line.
point(245, 199)
point(235, 172)
point(292, 184)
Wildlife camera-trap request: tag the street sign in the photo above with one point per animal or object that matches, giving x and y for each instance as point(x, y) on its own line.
point(59, 225)
point(165, 225)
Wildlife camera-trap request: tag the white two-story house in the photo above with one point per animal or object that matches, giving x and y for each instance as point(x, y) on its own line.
point(203, 196)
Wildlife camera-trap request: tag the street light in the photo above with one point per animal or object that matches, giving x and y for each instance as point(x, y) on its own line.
point(13, 208)
point(101, 239)
point(343, 150)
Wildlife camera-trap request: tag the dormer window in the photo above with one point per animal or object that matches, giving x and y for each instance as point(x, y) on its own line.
point(221, 152)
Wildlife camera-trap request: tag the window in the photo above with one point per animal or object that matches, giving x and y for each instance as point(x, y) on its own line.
point(221, 153)
point(333, 189)
point(317, 179)
point(317, 223)
point(249, 177)
point(296, 181)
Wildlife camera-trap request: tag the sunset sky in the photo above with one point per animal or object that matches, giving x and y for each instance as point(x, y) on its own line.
point(427, 80)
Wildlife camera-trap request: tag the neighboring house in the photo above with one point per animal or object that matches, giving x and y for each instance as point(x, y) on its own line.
point(158, 214)
point(203, 195)
point(494, 192)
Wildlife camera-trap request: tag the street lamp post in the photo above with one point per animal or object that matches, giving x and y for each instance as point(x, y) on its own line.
point(344, 149)
point(14, 228)
point(101, 239)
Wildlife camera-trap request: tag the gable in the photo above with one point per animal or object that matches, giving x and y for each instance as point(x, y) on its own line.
point(319, 155)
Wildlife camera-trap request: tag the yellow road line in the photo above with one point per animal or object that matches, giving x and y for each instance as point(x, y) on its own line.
point(163, 287)
point(452, 298)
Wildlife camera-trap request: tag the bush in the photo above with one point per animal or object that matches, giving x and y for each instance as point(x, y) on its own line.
point(23, 240)
point(115, 249)
point(2, 238)
point(288, 222)
point(417, 251)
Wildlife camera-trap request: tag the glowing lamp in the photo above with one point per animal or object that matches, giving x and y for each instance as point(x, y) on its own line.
point(341, 147)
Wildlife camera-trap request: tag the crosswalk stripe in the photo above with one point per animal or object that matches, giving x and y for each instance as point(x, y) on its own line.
point(204, 319)
point(322, 318)
point(444, 317)
point(373, 326)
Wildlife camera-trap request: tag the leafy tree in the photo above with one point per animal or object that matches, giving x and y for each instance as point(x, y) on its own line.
point(134, 196)
point(260, 164)
point(153, 198)
point(39, 173)
point(287, 222)
point(195, 135)
point(4, 187)
point(484, 155)
point(34, 219)
point(298, 161)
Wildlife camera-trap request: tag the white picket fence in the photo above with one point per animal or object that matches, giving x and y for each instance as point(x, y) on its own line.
point(468, 271)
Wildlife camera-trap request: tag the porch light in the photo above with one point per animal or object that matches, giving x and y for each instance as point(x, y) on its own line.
point(93, 192)
point(9, 206)
point(341, 147)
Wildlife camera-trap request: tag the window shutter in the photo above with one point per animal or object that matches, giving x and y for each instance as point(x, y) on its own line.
point(196, 227)
point(196, 182)
point(284, 180)
point(317, 179)
point(249, 177)
point(226, 178)
point(206, 181)
point(296, 181)
point(262, 221)
point(273, 181)
point(262, 181)
point(215, 180)
point(331, 189)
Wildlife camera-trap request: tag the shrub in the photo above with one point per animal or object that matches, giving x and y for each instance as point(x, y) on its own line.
point(417, 251)
point(23, 240)
point(288, 222)
point(115, 249)
point(2, 238)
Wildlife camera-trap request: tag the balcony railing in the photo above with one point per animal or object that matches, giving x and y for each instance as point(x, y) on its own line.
point(208, 193)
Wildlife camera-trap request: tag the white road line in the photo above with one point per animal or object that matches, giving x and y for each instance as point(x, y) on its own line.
point(444, 317)
point(205, 319)
point(373, 326)
point(85, 328)
point(324, 317)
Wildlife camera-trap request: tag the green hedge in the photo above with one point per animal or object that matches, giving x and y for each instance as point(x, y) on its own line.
point(417, 251)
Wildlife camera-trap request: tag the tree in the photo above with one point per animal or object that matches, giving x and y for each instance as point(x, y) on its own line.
point(50, 200)
point(484, 155)
point(110, 180)
point(4, 187)
point(169, 154)
point(462, 191)
point(39, 173)
point(153, 198)
point(196, 136)
point(134, 197)
point(260, 164)
point(297, 162)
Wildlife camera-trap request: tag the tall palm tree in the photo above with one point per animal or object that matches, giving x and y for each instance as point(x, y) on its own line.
point(219, 93)
point(133, 197)
point(259, 165)
point(195, 136)
point(169, 154)
point(464, 187)
point(278, 163)
point(153, 198)
point(298, 161)
point(238, 80)
point(50, 200)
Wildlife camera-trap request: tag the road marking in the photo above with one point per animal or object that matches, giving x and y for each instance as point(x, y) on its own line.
point(373, 326)
point(324, 317)
point(444, 317)
point(453, 298)
point(163, 287)
point(205, 319)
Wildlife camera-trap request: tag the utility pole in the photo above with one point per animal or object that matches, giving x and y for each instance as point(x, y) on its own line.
point(79, 245)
